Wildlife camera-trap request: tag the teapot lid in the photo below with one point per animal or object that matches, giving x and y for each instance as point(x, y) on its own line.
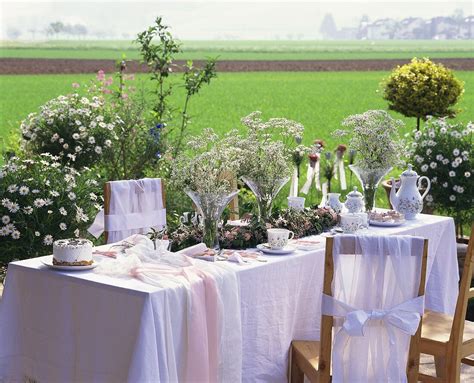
point(354, 193)
point(410, 172)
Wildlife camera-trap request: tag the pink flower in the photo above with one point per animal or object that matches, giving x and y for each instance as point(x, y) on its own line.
point(107, 91)
point(109, 81)
point(124, 96)
point(130, 77)
point(101, 75)
point(75, 85)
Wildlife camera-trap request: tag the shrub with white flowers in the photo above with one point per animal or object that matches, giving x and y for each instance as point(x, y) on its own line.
point(41, 201)
point(77, 129)
point(443, 152)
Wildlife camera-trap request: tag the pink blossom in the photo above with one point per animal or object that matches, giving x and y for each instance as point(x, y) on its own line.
point(109, 81)
point(130, 77)
point(101, 75)
point(75, 85)
point(107, 91)
point(124, 96)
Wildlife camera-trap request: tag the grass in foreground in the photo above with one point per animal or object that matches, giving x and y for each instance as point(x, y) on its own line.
point(248, 50)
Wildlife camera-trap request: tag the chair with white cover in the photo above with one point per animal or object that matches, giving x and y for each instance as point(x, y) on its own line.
point(373, 300)
point(130, 207)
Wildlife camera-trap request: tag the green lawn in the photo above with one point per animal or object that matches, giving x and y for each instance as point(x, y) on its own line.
point(248, 50)
point(320, 100)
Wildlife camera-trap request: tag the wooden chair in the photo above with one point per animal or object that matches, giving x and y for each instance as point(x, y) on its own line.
point(313, 358)
point(451, 339)
point(107, 201)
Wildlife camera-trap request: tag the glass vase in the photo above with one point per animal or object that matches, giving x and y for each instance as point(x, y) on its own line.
point(265, 191)
point(211, 206)
point(369, 180)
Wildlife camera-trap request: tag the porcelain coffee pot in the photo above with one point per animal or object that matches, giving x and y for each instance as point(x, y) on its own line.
point(354, 201)
point(408, 200)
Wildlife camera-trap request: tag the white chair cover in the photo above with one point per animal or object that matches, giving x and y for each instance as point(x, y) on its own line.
point(375, 305)
point(135, 207)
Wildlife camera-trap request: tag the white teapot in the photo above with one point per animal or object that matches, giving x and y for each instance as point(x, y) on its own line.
point(408, 200)
point(354, 201)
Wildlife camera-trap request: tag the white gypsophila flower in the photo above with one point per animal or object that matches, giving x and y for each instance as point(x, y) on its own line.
point(38, 202)
point(16, 234)
point(98, 149)
point(5, 219)
point(76, 233)
point(424, 168)
point(14, 207)
point(62, 226)
point(37, 234)
point(429, 198)
point(24, 190)
point(467, 174)
point(452, 173)
point(48, 240)
point(91, 140)
point(456, 152)
point(12, 188)
point(28, 210)
point(445, 185)
point(72, 196)
point(108, 143)
point(76, 136)
point(452, 197)
point(445, 161)
point(433, 165)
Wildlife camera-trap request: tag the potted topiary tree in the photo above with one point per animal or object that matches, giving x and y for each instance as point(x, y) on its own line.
point(423, 88)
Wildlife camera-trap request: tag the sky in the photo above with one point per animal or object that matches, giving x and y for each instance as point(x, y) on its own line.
point(205, 20)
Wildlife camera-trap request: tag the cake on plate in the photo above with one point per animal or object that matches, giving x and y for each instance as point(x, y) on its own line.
point(72, 252)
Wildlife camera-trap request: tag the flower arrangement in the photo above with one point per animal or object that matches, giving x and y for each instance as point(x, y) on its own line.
point(41, 201)
point(443, 152)
point(310, 221)
point(75, 128)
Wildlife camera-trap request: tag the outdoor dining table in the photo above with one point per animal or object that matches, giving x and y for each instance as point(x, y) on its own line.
point(83, 326)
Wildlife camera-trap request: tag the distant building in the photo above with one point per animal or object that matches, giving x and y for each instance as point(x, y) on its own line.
point(346, 34)
point(442, 28)
point(382, 29)
point(466, 30)
point(411, 28)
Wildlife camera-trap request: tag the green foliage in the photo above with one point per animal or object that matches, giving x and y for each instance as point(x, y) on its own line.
point(423, 88)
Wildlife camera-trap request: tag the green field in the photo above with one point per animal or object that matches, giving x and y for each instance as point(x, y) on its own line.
point(249, 50)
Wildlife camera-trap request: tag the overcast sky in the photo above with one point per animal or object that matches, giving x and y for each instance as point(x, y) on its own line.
point(200, 20)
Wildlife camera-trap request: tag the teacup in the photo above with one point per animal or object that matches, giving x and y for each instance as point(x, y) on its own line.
point(350, 223)
point(296, 203)
point(278, 238)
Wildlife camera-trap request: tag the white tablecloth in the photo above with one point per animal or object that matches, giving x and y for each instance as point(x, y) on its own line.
point(94, 326)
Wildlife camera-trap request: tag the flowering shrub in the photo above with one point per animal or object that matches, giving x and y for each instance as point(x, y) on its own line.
point(374, 136)
point(76, 129)
point(41, 201)
point(443, 153)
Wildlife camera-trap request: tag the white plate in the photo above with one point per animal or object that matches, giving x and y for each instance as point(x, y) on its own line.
point(48, 261)
point(386, 224)
point(286, 250)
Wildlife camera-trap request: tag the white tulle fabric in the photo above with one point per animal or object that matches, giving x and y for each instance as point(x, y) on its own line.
point(135, 207)
point(375, 305)
point(211, 304)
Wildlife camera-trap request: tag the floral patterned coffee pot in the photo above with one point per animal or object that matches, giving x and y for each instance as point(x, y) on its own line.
point(354, 201)
point(408, 200)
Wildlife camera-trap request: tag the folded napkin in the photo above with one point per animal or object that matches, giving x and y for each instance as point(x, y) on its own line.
point(196, 250)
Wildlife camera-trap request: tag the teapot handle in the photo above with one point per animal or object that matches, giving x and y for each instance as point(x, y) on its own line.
point(427, 187)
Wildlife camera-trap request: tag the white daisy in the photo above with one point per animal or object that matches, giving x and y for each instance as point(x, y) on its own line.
point(433, 165)
point(4, 231)
point(37, 234)
point(76, 136)
point(452, 173)
point(6, 202)
point(91, 140)
point(456, 152)
point(424, 168)
point(54, 193)
point(445, 161)
point(429, 198)
point(445, 185)
point(5, 219)
point(16, 234)
point(28, 210)
point(65, 146)
point(14, 207)
point(460, 190)
point(452, 197)
point(108, 143)
point(98, 149)
point(24, 190)
point(62, 226)
point(76, 233)
point(454, 164)
point(12, 188)
point(439, 157)
point(77, 149)
point(48, 239)
point(71, 196)
point(467, 174)
point(38, 202)
point(62, 211)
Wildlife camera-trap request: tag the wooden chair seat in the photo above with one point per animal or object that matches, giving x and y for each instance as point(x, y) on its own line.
point(306, 355)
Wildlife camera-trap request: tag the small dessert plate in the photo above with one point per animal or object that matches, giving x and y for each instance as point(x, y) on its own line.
point(306, 245)
point(386, 223)
point(48, 261)
point(288, 249)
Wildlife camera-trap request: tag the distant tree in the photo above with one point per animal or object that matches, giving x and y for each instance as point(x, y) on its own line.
point(55, 28)
point(79, 30)
point(328, 26)
point(458, 15)
point(423, 88)
point(13, 33)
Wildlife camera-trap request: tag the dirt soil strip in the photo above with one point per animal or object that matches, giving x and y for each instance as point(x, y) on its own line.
point(56, 66)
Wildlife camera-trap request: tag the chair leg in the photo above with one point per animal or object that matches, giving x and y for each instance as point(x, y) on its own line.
point(296, 375)
point(440, 365)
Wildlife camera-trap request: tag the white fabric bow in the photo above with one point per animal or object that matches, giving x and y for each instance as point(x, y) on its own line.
point(404, 317)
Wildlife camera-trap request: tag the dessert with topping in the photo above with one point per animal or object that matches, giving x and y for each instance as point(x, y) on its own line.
point(72, 252)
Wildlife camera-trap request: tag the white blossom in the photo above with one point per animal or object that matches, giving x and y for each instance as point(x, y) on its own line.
point(445, 184)
point(62, 226)
point(467, 174)
point(14, 207)
point(76, 233)
point(452, 173)
point(37, 234)
point(48, 239)
point(424, 168)
point(12, 188)
point(98, 149)
point(452, 197)
point(62, 211)
point(72, 196)
point(24, 190)
point(16, 234)
point(28, 210)
point(39, 202)
point(5, 219)
point(76, 136)
point(433, 165)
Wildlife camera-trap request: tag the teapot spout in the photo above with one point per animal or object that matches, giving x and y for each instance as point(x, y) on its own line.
point(393, 194)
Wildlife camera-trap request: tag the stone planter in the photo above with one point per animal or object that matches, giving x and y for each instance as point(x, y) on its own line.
point(387, 185)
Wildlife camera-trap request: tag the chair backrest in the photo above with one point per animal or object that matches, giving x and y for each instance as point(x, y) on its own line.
point(465, 292)
point(413, 283)
point(133, 206)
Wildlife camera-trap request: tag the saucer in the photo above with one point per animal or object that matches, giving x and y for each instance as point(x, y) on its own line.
point(48, 261)
point(288, 249)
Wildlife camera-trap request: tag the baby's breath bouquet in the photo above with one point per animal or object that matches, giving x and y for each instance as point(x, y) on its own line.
point(268, 150)
point(375, 138)
point(41, 201)
point(76, 129)
point(205, 172)
point(443, 152)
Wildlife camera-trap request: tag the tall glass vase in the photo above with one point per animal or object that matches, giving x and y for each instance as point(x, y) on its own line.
point(265, 190)
point(369, 179)
point(210, 206)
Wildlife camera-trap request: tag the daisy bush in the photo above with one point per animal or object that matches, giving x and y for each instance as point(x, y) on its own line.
point(443, 152)
point(77, 129)
point(41, 201)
